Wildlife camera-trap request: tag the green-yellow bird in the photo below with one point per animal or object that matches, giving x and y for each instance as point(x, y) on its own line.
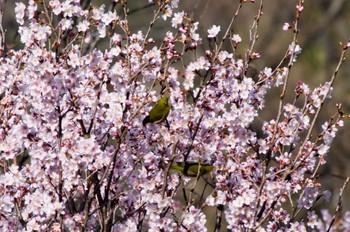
point(191, 168)
point(159, 112)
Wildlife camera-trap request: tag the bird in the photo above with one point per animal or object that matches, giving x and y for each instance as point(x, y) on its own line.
point(159, 112)
point(192, 169)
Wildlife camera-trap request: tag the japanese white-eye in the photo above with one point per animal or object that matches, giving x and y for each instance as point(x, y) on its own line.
point(159, 112)
point(192, 169)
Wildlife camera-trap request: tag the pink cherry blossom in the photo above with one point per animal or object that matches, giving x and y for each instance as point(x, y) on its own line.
point(213, 31)
point(76, 155)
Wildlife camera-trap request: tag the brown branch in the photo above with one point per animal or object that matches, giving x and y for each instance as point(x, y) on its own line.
point(339, 205)
point(2, 32)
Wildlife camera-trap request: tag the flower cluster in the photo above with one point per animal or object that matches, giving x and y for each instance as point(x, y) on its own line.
point(74, 152)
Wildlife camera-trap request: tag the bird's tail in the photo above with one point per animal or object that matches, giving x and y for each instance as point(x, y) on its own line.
point(145, 120)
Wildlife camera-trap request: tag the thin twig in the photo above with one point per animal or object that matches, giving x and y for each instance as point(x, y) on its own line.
point(253, 36)
point(339, 205)
point(228, 30)
point(340, 62)
point(2, 32)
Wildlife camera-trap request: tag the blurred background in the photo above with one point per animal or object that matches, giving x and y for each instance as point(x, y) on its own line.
point(323, 25)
